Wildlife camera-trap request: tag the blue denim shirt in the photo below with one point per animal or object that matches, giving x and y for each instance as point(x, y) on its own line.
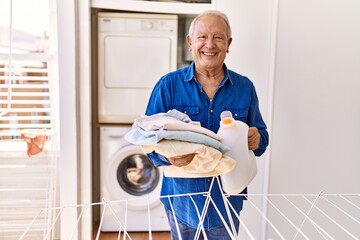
point(181, 91)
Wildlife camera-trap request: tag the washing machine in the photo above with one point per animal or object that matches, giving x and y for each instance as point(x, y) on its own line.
point(130, 184)
point(134, 51)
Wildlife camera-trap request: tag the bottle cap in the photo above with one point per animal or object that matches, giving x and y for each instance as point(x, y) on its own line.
point(226, 117)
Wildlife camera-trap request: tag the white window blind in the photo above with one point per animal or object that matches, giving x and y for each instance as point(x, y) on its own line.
point(25, 94)
point(28, 100)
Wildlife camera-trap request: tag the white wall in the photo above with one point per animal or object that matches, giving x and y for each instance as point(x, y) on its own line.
point(68, 163)
point(75, 178)
point(315, 134)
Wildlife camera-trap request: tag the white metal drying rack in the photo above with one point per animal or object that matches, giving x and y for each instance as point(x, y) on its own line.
point(295, 216)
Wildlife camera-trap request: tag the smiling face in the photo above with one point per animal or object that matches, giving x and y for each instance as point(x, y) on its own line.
point(209, 43)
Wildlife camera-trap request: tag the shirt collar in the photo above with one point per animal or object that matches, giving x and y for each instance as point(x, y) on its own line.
point(190, 75)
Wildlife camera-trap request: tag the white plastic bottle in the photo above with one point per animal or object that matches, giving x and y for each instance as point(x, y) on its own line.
point(235, 136)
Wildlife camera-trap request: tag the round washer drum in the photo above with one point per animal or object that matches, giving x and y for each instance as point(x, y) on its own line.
point(136, 175)
point(130, 175)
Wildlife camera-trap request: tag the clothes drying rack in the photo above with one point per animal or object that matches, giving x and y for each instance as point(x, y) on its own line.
point(289, 216)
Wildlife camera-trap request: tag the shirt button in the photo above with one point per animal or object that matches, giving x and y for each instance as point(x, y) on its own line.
point(209, 179)
point(211, 110)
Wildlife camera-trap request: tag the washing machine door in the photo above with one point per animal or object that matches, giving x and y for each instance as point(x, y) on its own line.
point(133, 178)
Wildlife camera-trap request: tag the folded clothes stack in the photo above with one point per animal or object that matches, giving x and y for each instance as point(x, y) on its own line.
point(174, 134)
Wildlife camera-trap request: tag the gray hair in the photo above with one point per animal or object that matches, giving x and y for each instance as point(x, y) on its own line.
point(211, 12)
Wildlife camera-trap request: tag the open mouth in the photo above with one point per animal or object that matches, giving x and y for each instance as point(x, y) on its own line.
point(209, 53)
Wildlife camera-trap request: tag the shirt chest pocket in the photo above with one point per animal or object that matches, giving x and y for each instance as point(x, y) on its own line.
point(239, 114)
point(188, 110)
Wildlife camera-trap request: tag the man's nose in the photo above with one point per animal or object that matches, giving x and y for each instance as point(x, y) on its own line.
point(210, 42)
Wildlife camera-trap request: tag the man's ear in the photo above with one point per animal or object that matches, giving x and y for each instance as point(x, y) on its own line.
point(229, 43)
point(188, 40)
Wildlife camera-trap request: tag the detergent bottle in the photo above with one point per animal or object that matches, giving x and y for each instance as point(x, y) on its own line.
point(234, 134)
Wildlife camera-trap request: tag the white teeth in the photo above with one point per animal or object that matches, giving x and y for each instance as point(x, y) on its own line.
point(209, 54)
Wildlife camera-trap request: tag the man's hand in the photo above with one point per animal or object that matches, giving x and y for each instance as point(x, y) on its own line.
point(181, 160)
point(253, 138)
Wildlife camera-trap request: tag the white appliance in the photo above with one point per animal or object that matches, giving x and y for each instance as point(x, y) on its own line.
point(127, 174)
point(135, 50)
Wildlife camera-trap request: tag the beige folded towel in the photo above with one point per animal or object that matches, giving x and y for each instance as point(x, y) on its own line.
point(207, 161)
